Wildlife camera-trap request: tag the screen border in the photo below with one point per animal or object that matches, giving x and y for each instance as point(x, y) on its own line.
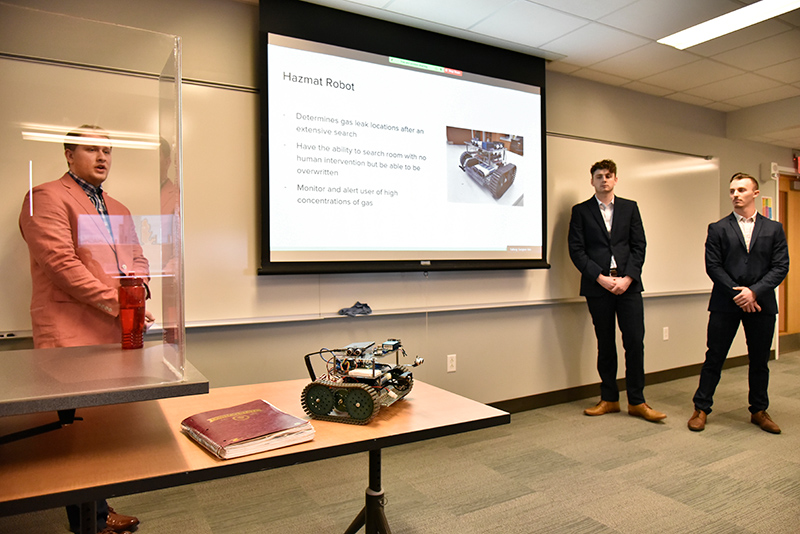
point(312, 22)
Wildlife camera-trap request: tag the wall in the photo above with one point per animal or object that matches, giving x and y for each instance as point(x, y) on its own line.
point(504, 352)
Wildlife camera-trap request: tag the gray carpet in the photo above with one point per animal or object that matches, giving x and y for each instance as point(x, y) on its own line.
point(552, 470)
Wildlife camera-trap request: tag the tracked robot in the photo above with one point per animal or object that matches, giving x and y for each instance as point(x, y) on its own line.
point(485, 163)
point(356, 385)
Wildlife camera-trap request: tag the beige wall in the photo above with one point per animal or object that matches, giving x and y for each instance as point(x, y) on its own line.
point(502, 353)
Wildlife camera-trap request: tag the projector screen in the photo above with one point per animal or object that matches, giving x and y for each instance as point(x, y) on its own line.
point(387, 148)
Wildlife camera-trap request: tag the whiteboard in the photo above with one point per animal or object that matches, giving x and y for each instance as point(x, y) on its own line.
point(677, 195)
point(42, 96)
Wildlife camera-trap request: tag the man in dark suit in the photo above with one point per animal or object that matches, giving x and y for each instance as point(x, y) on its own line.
point(607, 245)
point(746, 258)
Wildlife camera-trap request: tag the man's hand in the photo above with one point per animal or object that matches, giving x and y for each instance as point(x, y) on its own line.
point(615, 285)
point(622, 285)
point(746, 300)
point(149, 319)
point(606, 282)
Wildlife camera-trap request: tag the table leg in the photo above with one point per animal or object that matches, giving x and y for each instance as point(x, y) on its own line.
point(372, 515)
point(89, 517)
point(65, 417)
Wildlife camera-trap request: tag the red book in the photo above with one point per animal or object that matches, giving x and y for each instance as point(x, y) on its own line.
point(248, 428)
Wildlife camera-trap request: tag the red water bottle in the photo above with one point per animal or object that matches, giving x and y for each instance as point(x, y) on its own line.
point(132, 294)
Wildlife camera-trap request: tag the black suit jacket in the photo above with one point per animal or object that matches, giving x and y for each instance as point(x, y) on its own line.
point(729, 264)
point(591, 245)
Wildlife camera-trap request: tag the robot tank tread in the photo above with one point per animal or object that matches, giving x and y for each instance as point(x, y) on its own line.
point(356, 386)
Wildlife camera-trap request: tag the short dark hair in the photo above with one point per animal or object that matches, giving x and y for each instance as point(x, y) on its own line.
point(606, 164)
point(744, 176)
point(81, 131)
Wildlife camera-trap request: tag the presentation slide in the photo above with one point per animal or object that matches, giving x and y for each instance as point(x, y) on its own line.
point(380, 158)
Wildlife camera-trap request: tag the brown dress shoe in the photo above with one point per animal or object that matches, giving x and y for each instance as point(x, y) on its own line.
point(602, 407)
point(120, 523)
point(109, 530)
point(766, 423)
point(697, 422)
point(645, 412)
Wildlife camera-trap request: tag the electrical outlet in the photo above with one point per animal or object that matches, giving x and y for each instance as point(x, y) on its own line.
point(451, 363)
point(666, 333)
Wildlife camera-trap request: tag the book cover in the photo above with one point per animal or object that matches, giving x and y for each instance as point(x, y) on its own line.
point(248, 428)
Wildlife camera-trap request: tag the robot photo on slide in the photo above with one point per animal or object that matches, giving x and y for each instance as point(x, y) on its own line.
point(485, 163)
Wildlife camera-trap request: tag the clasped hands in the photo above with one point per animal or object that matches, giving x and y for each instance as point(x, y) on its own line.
point(614, 284)
point(746, 300)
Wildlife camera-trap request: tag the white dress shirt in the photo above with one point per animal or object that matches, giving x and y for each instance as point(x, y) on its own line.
point(746, 224)
point(607, 210)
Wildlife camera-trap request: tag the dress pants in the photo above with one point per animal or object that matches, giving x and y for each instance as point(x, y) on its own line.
point(722, 327)
point(628, 310)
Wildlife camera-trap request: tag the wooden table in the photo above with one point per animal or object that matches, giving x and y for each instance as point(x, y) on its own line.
point(137, 447)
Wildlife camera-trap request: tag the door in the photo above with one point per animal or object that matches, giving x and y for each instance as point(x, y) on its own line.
point(789, 216)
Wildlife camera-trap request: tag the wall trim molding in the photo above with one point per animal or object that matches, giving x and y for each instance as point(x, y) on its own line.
point(550, 398)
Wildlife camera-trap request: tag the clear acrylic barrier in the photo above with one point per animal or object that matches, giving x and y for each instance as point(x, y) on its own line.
point(56, 73)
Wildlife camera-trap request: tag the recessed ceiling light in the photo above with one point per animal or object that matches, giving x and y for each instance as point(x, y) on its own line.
point(730, 22)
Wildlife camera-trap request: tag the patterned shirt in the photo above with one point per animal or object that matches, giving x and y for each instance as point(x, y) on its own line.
point(95, 194)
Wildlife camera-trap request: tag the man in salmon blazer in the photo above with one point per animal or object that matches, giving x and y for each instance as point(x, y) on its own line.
point(81, 241)
point(78, 252)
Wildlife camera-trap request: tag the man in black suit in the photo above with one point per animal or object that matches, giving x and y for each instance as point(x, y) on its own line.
point(607, 244)
point(746, 258)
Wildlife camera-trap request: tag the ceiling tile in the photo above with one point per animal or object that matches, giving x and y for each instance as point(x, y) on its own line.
point(594, 42)
point(722, 106)
point(764, 97)
point(745, 36)
point(562, 67)
point(788, 72)
point(695, 74)
point(791, 132)
point(770, 51)
point(373, 3)
point(647, 88)
point(645, 61)
point(761, 139)
point(788, 138)
point(528, 24)
point(792, 17)
point(657, 18)
point(456, 13)
point(601, 77)
point(689, 99)
point(589, 9)
point(612, 42)
point(732, 87)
